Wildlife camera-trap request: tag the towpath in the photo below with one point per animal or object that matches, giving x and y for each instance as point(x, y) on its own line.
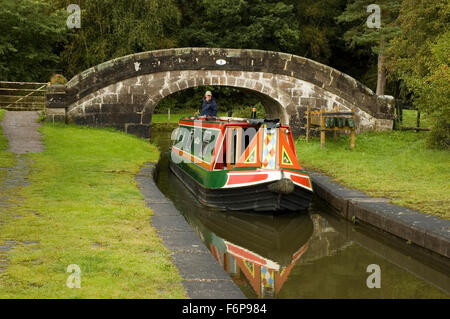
point(21, 130)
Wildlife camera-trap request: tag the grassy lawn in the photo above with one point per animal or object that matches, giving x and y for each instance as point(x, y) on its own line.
point(83, 208)
point(410, 119)
point(174, 118)
point(394, 165)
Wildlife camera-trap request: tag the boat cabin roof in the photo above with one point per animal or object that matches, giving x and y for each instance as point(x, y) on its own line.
point(234, 121)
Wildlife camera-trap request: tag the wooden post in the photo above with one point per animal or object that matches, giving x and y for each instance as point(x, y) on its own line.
point(322, 128)
point(418, 120)
point(335, 131)
point(168, 116)
point(401, 112)
point(352, 132)
point(352, 138)
point(308, 123)
point(398, 121)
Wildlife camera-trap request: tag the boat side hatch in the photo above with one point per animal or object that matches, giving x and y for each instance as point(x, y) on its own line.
point(251, 156)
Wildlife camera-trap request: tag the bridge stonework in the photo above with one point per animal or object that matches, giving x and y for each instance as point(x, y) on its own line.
point(123, 93)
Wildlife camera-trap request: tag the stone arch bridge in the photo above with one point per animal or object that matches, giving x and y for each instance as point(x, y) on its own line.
point(123, 93)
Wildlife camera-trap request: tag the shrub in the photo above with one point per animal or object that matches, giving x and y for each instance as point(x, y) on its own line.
point(58, 79)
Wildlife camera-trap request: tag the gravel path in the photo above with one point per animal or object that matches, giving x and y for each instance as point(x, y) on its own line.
point(20, 128)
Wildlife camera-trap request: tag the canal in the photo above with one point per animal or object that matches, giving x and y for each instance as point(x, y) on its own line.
point(309, 255)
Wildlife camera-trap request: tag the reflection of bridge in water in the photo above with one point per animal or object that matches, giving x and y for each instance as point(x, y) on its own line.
point(325, 241)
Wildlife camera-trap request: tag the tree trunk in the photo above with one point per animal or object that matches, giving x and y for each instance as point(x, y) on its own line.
point(381, 79)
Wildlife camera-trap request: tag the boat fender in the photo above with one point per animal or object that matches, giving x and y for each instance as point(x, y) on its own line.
point(283, 186)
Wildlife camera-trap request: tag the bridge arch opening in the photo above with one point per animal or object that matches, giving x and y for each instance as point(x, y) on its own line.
point(239, 100)
point(168, 83)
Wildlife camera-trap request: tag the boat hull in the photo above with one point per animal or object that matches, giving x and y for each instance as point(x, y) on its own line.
point(248, 198)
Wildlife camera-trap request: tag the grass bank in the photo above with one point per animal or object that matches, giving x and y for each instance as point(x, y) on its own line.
point(174, 118)
point(83, 207)
point(394, 165)
point(6, 158)
point(410, 119)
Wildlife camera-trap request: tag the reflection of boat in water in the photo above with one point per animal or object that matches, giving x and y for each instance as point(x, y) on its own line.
point(260, 249)
point(240, 164)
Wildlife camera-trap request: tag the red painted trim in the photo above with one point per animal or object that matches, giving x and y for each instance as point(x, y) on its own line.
point(301, 180)
point(291, 152)
point(256, 142)
point(291, 142)
point(244, 254)
point(217, 152)
point(300, 252)
point(294, 172)
point(236, 124)
point(192, 158)
point(234, 179)
point(203, 124)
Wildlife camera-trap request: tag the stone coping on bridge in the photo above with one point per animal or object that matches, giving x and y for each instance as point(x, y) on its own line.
point(203, 277)
point(226, 53)
point(424, 230)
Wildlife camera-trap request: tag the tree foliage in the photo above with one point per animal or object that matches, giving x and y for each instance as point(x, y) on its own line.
point(253, 24)
point(114, 28)
point(359, 34)
point(319, 32)
point(306, 28)
point(420, 56)
point(30, 40)
point(377, 39)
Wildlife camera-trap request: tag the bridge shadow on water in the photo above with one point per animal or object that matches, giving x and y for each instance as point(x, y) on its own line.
point(301, 255)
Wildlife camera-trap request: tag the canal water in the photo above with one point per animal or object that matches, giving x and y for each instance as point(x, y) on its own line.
point(310, 255)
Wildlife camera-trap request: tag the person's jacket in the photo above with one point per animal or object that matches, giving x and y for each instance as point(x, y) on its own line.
point(209, 108)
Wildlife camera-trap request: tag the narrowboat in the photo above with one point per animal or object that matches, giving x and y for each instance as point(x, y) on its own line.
point(240, 164)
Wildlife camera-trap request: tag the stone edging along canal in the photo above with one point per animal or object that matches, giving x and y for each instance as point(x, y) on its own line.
point(424, 230)
point(202, 276)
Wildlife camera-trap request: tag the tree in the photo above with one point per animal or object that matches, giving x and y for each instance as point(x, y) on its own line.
point(114, 28)
point(420, 56)
point(250, 24)
point(31, 34)
point(377, 37)
point(319, 32)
